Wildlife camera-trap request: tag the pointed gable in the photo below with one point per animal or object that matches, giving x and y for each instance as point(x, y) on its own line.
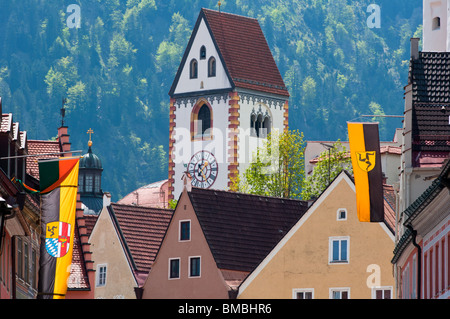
point(242, 52)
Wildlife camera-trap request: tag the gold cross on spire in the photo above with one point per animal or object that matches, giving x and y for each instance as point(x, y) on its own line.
point(90, 132)
point(219, 4)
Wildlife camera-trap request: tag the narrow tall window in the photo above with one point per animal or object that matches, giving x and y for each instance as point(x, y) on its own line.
point(204, 119)
point(185, 230)
point(212, 67)
point(202, 53)
point(174, 268)
point(193, 69)
point(194, 266)
point(436, 23)
point(201, 121)
point(19, 258)
point(26, 262)
point(89, 183)
point(101, 276)
point(80, 183)
point(97, 184)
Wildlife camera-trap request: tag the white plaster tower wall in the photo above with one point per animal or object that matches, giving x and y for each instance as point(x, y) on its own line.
point(436, 36)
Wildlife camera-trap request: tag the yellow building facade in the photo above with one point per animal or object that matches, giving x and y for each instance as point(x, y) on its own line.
point(328, 254)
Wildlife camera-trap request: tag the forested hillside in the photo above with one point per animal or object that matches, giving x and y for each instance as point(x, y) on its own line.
point(117, 68)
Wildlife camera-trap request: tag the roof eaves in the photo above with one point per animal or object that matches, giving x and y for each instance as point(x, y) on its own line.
point(122, 237)
point(428, 196)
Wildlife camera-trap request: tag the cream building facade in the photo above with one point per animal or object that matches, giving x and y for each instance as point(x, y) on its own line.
point(328, 254)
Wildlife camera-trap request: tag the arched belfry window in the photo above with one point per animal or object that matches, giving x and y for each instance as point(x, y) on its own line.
point(193, 72)
point(202, 53)
point(260, 123)
point(436, 23)
point(204, 119)
point(211, 67)
point(201, 121)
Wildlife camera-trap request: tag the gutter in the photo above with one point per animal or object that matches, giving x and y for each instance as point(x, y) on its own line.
point(419, 259)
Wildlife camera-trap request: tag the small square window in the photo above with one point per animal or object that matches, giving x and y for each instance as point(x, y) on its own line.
point(342, 214)
point(174, 268)
point(185, 230)
point(194, 266)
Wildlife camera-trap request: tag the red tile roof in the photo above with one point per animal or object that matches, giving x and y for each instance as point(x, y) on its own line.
point(389, 206)
point(142, 230)
point(245, 51)
point(241, 229)
point(36, 147)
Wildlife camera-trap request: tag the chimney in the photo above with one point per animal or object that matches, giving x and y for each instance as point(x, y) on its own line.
point(63, 139)
point(415, 48)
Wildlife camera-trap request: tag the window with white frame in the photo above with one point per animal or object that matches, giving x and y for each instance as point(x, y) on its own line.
point(174, 268)
point(382, 293)
point(185, 230)
point(303, 293)
point(339, 249)
point(194, 267)
point(100, 280)
point(341, 214)
point(339, 293)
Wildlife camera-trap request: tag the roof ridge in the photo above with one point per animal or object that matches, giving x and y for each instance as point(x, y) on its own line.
point(228, 13)
point(246, 194)
point(142, 207)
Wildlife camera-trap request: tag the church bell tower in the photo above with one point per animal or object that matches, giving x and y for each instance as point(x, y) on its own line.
point(227, 96)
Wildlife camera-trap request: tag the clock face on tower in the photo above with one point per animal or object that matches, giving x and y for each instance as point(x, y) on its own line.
point(203, 169)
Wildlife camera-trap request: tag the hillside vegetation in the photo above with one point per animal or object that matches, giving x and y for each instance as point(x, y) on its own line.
point(117, 68)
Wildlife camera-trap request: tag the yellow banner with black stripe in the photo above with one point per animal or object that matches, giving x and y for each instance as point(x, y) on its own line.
point(366, 160)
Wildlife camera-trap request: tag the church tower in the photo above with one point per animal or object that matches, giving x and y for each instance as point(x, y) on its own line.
point(227, 95)
point(436, 35)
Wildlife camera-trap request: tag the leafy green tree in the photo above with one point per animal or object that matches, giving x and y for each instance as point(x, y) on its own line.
point(277, 169)
point(329, 164)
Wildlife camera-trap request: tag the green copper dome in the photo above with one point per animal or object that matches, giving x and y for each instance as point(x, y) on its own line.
point(90, 160)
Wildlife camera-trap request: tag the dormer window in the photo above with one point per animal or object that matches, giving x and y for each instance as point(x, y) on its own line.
point(436, 23)
point(212, 67)
point(193, 72)
point(202, 53)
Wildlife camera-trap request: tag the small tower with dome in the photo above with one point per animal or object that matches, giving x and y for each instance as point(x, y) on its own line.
point(90, 180)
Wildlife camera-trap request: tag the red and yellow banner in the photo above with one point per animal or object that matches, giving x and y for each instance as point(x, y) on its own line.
point(59, 186)
point(366, 161)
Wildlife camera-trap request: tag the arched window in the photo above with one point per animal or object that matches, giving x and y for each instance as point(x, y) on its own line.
point(193, 69)
point(265, 129)
point(202, 53)
point(212, 67)
point(260, 123)
point(201, 121)
point(204, 119)
point(436, 23)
